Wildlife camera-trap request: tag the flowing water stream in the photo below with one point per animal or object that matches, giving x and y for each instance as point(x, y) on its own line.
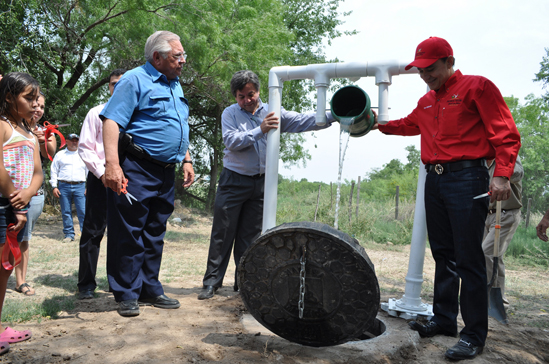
point(344, 134)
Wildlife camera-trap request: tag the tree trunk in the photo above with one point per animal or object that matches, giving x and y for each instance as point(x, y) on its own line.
point(215, 164)
point(527, 222)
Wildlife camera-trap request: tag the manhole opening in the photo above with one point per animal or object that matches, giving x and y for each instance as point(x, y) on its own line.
point(377, 329)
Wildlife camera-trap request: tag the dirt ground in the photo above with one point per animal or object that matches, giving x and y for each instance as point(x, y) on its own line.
point(211, 330)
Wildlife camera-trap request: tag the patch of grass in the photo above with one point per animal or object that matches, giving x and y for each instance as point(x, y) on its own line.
point(375, 221)
point(53, 306)
point(174, 235)
point(102, 281)
point(527, 249)
point(26, 310)
point(67, 283)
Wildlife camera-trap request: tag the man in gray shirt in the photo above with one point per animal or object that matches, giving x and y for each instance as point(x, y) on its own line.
point(238, 209)
point(510, 219)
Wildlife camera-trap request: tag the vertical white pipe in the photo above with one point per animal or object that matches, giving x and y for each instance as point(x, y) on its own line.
point(411, 299)
point(271, 160)
point(383, 103)
point(321, 91)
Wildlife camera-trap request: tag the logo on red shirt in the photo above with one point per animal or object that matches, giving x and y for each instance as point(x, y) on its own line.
point(455, 100)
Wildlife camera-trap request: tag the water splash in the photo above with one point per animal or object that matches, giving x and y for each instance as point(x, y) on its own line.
point(344, 134)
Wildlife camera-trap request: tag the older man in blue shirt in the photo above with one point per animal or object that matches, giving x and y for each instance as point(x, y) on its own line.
point(145, 134)
point(238, 208)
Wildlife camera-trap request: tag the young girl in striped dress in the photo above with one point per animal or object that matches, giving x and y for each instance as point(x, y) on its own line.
point(20, 173)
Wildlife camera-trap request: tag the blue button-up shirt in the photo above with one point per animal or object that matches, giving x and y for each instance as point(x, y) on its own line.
point(153, 110)
point(246, 145)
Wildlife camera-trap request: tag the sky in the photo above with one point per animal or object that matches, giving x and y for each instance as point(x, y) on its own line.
point(502, 40)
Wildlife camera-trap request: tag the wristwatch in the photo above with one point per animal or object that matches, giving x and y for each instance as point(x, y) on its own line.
point(184, 161)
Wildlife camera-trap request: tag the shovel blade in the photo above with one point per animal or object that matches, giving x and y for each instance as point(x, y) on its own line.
point(495, 305)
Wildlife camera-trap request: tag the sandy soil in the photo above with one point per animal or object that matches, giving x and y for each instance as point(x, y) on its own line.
point(211, 330)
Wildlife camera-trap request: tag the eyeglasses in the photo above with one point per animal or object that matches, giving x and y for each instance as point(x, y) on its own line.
point(180, 57)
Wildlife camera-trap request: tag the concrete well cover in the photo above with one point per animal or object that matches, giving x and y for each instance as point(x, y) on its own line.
point(341, 289)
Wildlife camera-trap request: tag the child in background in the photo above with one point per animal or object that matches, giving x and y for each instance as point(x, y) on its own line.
point(36, 203)
point(20, 171)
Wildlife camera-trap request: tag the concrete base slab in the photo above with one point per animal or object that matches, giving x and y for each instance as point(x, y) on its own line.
point(397, 336)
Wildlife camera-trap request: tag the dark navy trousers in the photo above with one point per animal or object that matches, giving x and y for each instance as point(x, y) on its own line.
point(93, 229)
point(136, 231)
point(455, 225)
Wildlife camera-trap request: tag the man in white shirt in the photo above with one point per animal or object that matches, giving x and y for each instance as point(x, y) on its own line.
point(92, 153)
point(68, 179)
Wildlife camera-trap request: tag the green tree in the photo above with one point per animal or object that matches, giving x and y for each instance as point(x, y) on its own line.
point(414, 157)
point(543, 74)
point(382, 182)
point(231, 40)
point(71, 46)
point(532, 119)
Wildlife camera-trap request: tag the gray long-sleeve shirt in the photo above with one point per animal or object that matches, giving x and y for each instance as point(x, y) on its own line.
point(515, 200)
point(246, 145)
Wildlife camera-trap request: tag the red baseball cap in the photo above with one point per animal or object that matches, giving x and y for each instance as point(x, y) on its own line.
point(429, 51)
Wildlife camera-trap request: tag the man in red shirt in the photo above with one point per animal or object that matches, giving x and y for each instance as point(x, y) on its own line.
point(463, 121)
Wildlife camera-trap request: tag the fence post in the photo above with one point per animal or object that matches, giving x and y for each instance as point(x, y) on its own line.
point(351, 200)
point(331, 197)
point(396, 202)
point(357, 196)
point(317, 200)
point(527, 222)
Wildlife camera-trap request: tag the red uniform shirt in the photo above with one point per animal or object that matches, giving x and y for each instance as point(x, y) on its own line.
point(465, 119)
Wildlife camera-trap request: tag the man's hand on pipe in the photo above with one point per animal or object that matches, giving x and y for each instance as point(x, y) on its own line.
point(270, 122)
point(374, 127)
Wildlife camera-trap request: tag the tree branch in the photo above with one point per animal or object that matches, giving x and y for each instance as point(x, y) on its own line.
point(87, 94)
point(193, 196)
point(80, 68)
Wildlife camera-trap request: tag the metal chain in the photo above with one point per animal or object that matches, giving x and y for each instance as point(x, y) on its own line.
point(302, 261)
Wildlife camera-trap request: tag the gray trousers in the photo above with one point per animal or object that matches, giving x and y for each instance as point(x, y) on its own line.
point(510, 220)
point(238, 216)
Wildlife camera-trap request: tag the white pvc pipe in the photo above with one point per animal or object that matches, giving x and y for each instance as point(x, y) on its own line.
point(271, 160)
point(321, 73)
point(383, 103)
point(411, 299)
point(321, 91)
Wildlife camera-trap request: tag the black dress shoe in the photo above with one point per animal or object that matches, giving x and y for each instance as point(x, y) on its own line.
point(128, 308)
point(161, 302)
point(85, 295)
point(235, 287)
point(463, 350)
point(207, 292)
point(430, 329)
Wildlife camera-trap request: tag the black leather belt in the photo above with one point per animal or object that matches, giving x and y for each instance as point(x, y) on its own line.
point(140, 153)
point(257, 176)
point(442, 168)
point(70, 182)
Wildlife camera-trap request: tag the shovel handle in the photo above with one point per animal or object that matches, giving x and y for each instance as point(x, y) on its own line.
point(495, 254)
point(497, 229)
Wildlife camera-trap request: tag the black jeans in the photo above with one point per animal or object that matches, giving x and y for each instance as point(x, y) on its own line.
point(455, 225)
point(93, 229)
